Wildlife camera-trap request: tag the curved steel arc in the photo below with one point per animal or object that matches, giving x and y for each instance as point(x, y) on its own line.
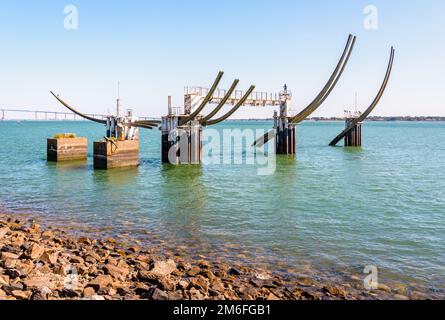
point(206, 99)
point(372, 106)
point(77, 112)
point(139, 125)
point(264, 139)
point(382, 89)
point(234, 109)
point(330, 85)
point(323, 99)
point(148, 122)
point(221, 104)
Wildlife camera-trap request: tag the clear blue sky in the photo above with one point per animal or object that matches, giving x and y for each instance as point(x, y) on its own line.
point(155, 48)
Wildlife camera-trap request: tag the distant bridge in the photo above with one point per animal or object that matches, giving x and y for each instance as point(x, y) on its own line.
point(39, 115)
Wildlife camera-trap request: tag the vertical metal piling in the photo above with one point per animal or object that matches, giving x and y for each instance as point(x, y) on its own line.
point(354, 137)
point(285, 138)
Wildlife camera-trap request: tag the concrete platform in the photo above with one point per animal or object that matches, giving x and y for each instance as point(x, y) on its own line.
point(67, 149)
point(116, 154)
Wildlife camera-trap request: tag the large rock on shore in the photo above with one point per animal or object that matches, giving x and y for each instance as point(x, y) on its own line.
point(163, 268)
point(35, 251)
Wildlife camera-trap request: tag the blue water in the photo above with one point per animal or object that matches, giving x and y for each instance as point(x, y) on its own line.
point(335, 210)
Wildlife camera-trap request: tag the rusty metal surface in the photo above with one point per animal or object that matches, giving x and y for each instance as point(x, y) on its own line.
point(77, 112)
point(373, 104)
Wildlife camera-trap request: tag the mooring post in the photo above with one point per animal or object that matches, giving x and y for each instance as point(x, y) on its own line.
point(170, 136)
point(170, 108)
point(120, 149)
point(286, 134)
point(181, 142)
point(354, 136)
point(66, 148)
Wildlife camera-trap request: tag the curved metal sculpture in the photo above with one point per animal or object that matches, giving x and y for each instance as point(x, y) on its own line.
point(233, 110)
point(322, 96)
point(145, 124)
point(77, 112)
point(221, 104)
point(330, 85)
point(206, 100)
point(206, 120)
point(182, 134)
point(373, 104)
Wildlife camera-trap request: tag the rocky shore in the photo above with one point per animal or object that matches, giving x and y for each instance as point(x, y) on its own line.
point(37, 264)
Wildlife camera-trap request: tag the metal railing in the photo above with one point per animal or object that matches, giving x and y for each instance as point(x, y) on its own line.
point(255, 99)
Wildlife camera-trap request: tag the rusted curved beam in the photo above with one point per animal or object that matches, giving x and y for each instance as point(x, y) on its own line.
point(77, 112)
point(206, 99)
point(139, 125)
point(221, 104)
point(264, 139)
point(330, 85)
point(234, 109)
point(148, 122)
point(337, 79)
point(372, 106)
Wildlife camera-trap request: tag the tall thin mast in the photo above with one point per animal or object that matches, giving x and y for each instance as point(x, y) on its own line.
point(118, 99)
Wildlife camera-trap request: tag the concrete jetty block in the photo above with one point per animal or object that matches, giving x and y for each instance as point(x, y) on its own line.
point(67, 149)
point(116, 154)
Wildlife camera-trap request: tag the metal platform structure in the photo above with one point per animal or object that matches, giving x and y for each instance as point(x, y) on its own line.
point(255, 99)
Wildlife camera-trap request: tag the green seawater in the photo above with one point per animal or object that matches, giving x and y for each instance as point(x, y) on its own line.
point(331, 209)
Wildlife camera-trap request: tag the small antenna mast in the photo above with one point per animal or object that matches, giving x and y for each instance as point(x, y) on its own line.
point(118, 98)
point(356, 101)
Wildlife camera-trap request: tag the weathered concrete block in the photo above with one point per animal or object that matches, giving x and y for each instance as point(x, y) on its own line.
point(67, 149)
point(116, 154)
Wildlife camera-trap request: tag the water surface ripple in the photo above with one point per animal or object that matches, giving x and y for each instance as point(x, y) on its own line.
point(335, 209)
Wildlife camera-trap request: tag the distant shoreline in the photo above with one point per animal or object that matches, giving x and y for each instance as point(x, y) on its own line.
point(314, 119)
point(372, 119)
